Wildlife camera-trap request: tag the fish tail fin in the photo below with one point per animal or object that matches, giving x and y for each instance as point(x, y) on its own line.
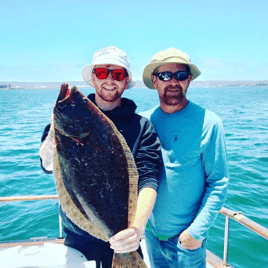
point(128, 260)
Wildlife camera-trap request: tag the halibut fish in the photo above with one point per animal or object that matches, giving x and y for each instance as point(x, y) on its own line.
point(95, 173)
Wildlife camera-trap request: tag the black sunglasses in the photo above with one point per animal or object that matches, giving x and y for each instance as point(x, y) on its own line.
point(167, 76)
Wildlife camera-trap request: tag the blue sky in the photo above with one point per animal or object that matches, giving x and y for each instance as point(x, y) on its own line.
point(51, 40)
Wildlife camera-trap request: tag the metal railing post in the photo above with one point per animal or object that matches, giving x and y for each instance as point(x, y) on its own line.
point(60, 226)
point(60, 221)
point(226, 240)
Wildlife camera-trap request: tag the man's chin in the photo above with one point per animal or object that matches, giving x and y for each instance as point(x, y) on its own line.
point(109, 98)
point(171, 101)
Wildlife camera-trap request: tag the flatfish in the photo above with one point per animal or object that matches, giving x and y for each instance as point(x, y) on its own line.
point(95, 173)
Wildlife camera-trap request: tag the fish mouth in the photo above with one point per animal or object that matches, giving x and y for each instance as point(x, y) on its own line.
point(65, 92)
point(66, 96)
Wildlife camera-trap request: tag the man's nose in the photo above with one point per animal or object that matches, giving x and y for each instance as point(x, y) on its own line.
point(109, 77)
point(174, 81)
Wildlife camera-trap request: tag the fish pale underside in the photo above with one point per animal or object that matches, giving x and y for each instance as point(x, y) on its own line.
point(67, 169)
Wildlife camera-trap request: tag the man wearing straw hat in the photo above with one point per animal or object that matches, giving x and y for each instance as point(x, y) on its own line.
point(110, 75)
point(193, 180)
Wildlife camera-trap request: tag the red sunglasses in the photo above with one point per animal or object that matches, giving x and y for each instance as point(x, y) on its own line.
point(102, 73)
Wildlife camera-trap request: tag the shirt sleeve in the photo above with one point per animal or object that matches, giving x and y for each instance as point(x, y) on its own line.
point(148, 158)
point(214, 160)
point(46, 150)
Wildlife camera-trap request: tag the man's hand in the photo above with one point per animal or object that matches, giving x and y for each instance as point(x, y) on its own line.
point(129, 239)
point(126, 241)
point(189, 242)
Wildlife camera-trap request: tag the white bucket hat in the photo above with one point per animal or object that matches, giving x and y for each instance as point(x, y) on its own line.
point(109, 55)
point(171, 55)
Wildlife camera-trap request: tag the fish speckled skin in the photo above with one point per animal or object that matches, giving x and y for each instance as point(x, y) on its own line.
point(94, 170)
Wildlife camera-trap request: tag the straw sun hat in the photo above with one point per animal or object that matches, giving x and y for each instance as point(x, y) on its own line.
point(171, 55)
point(109, 55)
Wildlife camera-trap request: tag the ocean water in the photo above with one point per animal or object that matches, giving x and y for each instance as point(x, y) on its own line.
point(244, 112)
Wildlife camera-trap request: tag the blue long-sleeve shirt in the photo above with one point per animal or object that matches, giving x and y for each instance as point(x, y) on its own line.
point(194, 177)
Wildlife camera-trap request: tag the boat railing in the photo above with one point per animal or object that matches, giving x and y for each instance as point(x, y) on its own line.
point(215, 261)
point(243, 220)
point(34, 198)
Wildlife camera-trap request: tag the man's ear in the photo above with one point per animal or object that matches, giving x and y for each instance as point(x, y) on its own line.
point(93, 79)
point(126, 81)
point(154, 81)
point(189, 79)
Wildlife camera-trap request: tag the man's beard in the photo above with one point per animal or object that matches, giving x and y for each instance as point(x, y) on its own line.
point(173, 95)
point(108, 96)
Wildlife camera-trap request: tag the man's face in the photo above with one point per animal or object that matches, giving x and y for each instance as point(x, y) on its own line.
point(109, 89)
point(172, 93)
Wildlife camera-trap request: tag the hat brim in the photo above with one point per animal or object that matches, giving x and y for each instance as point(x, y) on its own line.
point(87, 70)
point(149, 70)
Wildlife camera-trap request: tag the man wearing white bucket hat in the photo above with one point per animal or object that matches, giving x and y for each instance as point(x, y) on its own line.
point(193, 180)
point(109, 73)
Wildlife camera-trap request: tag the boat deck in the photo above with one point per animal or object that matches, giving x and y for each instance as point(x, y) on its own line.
point(35, 254)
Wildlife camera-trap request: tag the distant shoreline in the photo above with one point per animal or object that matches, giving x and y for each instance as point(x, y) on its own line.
point(139, 84)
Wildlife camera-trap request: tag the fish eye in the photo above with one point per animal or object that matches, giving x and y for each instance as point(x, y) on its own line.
point(72, 103)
